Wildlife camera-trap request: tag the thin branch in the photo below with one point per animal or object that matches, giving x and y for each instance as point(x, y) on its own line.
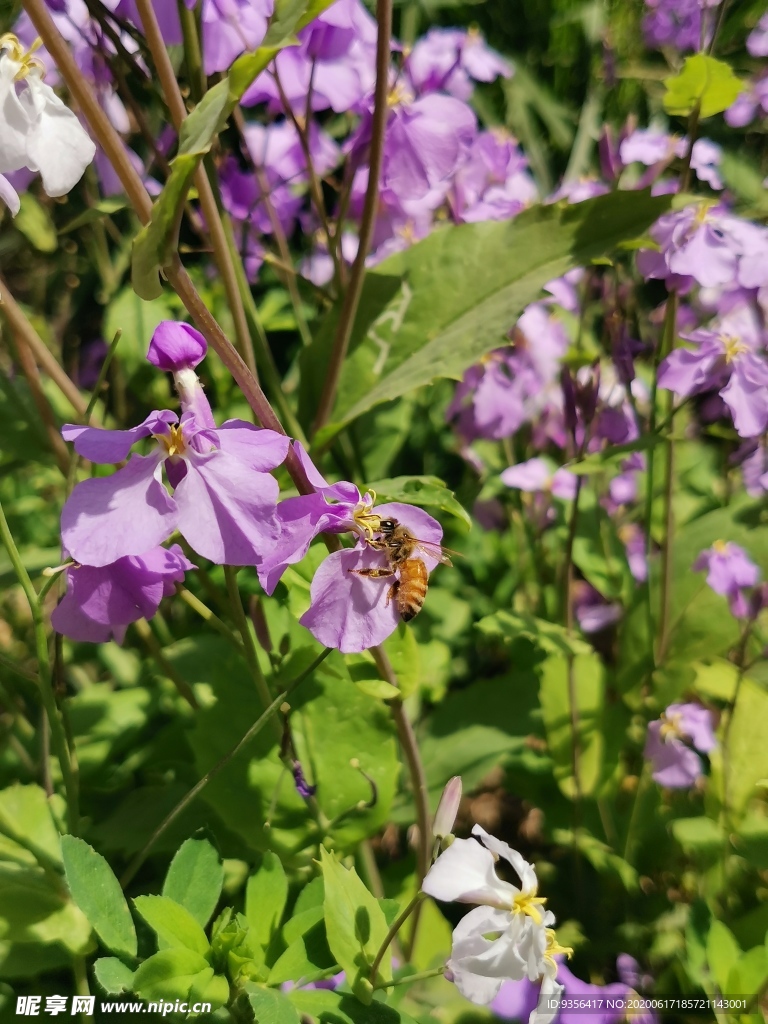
point(354, 290)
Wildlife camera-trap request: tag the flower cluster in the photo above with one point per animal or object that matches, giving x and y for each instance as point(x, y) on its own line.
point(509, 936)
point(224, 503)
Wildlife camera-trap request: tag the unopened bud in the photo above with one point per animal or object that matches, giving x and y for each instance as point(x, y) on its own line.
point(447, 809)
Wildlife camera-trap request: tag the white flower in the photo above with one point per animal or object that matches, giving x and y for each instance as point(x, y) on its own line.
point(9, 195)
point(509, 936)
point(37, 130)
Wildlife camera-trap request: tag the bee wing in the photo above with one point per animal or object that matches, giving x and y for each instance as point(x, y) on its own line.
point(435, 551)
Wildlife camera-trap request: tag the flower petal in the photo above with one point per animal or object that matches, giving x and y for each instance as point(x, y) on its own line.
point(260, 449)
point(104, 446)
point(465, 873)
point(226, 510)
point(58, 144)
point(128, 513)
point(349, 612)
point(525, 871)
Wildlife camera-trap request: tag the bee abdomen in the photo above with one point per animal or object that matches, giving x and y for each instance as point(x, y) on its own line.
point(412, 588)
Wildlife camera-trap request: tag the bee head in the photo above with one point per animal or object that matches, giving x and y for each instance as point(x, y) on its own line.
point(387, 526)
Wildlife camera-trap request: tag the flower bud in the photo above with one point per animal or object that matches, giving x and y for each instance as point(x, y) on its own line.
point(176, 346)
point(448, 808)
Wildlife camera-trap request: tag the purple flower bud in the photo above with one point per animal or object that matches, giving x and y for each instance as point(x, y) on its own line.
point(447, 809)
point(176, 346)
point(570, 415)
point(303, 788)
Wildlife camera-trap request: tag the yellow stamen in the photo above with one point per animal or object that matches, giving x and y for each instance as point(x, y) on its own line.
point(554, 948)
point(528, 903)
point(721, 547)
point(367, 522)
point(173, 442)
point(399, 94)
point(19, 55)
point(671, 727)
point(733, 347)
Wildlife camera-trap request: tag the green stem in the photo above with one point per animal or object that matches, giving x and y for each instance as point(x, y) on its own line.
point(411, 979)
point(355, 287)
point(394, 928)
point(249, 643)
point(45, 678)
point(209, 616)
point(197, 789)
point(192, 52)
point(150, 641)
point(630, 842)
point(667, 541)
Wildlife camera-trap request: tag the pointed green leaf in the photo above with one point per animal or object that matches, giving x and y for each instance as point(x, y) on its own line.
point(355, 926)
point(265, 898)
point(195, 878)
point(704, 82)
point(425, 491)
point(97, 893)
point(271, 1007)
point(341, 1008)
point(172, 923)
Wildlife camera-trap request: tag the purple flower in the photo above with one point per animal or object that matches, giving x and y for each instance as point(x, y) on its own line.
point(224, 499)
point(352, 612)
point(632, 537)
point(493, 183)
point(672, 743)
point(751, 103)
point(593, 612)
point(753, 456)
point(681, 24)
point(229, 28)
point(729, 357)
point(757, 40)
point(303, 788)
point(535, 475)
point(709, 245)
point(447, 59)
point(176, 346)
point(101, 601)
point(426, 140)
point(729, 569)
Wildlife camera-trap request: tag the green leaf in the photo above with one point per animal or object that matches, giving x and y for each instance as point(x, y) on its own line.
point(155, 244)
point(722, 954)
point(425, 491)
point(34, 909)
point(747, 747)
point(271, 1007)
point(195, 878)
point(704, 82)
point(26, 820)
point(308, 958)
point(97, 893)
point(355, 926)
point(549, 636)
point(341, 1008)
point(34, 222)
point(404, 654)
point(171, 974)
point(463, 288)
point(113, 975)
point(749, 973)
point(172, 923)
point(378, 688)
point(717, 679)
point(265, 897)
point(555, 695)
point(751, 840)
point(333, 723)
point(699, 835)
point(601, 857)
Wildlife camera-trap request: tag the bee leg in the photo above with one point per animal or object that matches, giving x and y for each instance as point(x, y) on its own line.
point(375, 574)
point(392, 593)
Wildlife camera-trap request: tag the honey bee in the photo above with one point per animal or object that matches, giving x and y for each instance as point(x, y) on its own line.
point(402, 550)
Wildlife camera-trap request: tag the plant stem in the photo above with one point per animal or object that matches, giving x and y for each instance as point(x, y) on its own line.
point(354, 289)
point(27, 336)
point(411, 979)
point(573, 708)
point(629, 843)
point(178, 111)
point(150, 641)
point(187, 799)
point(667, 541)
point(394, 928)
point(249, 644)
point(209, 616)
point(45, 678)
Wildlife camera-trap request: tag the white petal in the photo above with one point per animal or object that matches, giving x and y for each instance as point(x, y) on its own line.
point(500, 958)
point(15, 123)
point(549, 1001)
point(480, 991)
point(525, 871)
point(58, 144)
point(9, 196)
point(465, 872)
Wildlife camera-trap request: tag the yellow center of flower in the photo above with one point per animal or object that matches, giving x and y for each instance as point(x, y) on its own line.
point(173, 442)
point(399, 94)
point(555, 949)
point(721, 547)
point(366, 521)
point(671, 727)
point(10, 43)
point(702, 212)
point(733, 347)
point(529, 903)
